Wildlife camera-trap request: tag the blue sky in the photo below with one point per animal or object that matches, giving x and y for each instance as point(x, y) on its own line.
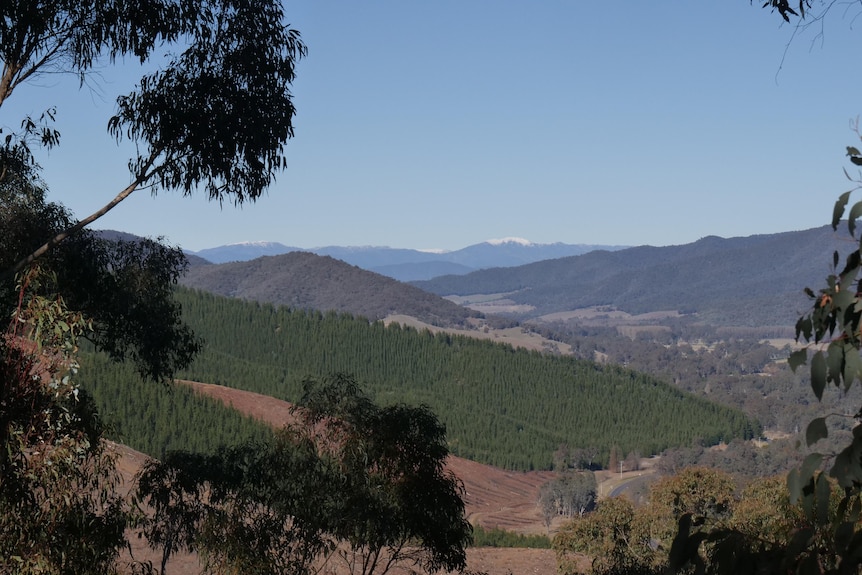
point(443, 124)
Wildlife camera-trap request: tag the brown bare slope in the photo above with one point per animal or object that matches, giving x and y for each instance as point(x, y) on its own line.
point(494, 498)
point(307, 281)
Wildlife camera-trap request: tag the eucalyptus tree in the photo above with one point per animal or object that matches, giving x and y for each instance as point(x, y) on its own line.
point(348, 480)
point(215, 117)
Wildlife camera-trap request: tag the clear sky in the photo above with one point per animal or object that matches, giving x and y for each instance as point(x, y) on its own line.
point(440, 124)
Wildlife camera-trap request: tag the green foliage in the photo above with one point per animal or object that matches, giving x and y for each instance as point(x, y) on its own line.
point(124, 289)
point(399, 495)
point(613, 536)
point(496, 537)
point(174, 491)
point(351, 478)
point(513, 407)
point(825, 537)
point(696, 521)
point(784, 8)
point(269, 510)
point(158, 419)
point(215, 117)
point(570, 494)
point(60, 511)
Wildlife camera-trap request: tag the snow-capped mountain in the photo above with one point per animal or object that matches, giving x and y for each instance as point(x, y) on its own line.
point(411, 264)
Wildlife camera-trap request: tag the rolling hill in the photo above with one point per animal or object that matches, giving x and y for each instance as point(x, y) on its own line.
point(502, 406)
point(750, 281)
point(304, 280)
point(409, 264)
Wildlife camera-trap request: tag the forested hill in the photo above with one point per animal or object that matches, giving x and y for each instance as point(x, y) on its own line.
point(304, 280)
point(755, 280)
point(502, 406)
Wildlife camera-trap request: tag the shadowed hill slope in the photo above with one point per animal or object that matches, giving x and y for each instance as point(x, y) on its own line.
point(303, 280)
point(755, 280)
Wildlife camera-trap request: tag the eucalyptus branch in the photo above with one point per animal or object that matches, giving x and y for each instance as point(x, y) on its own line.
point(144, 175)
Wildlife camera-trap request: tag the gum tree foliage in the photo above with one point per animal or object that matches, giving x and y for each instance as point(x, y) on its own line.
point(214, 118)
point(613, 537)
point(402, 506)
point(826, 538)
point(261, 507)
point(787, 9)
point(174, 490)
point(59, 508)
point(621, 538)
point(125, 289)
point(729, 530)
point(569, 495)
point(350, 478)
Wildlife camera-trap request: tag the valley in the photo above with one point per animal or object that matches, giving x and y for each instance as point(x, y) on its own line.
point(522, 383)
point(494, 498)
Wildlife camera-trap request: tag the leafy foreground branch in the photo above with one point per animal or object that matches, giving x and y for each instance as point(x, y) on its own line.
point(215, 117)
point(60, 509)
point(827, 537)
point(349, 481)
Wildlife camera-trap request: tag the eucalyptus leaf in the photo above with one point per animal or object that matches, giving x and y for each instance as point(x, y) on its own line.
point(794, 486)
point(840, 205)
point(852, 367)
point(818, 374)
point(834, 362)
point(809, 465)
point(851, 268)
point(816, 431)
point(855, 213)
point(843, 535)
point(804, 328)
point(797, 358)
point(846, 468)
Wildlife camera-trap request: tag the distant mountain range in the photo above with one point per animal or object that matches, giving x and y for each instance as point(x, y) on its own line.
point(747, 281)
point(752, 281)
point(410, 264)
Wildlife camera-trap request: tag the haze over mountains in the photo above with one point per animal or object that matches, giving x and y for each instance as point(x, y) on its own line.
point(750, 281)
point(411, 264)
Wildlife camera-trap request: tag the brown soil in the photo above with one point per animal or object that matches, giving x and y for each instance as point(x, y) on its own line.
point(493, 497)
